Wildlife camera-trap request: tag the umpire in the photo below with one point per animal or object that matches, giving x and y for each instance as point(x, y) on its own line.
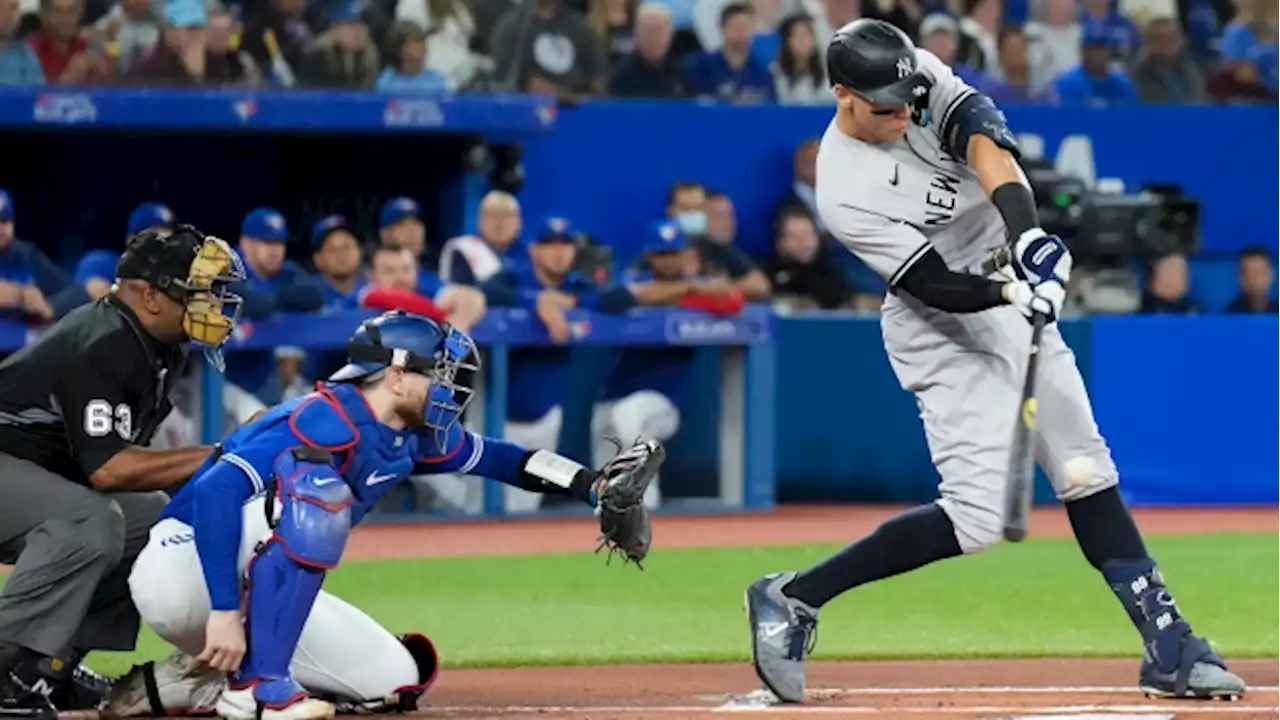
point(78, 488)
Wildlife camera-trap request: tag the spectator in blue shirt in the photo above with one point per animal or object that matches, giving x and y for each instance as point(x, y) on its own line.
point(408, 72)
point(18, 62)
point(96, 270)
point(1103, 15)
point(473, 259)
point(1248, 46)
point(1095, 82)
point(336, 256)
point(548, 287)
point(273, 284)
point(32, 288)
point(731, 73)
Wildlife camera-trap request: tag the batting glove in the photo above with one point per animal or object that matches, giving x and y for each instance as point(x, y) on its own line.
point(1046, 298)
point(1043, 257)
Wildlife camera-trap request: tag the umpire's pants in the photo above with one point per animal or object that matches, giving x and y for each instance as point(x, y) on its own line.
point(72, 548)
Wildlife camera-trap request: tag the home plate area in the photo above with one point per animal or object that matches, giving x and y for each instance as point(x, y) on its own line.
point(956, 690)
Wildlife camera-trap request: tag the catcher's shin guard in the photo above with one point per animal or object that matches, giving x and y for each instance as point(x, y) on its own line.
point(284, 579)
point(403, 699)
point(1176, 663)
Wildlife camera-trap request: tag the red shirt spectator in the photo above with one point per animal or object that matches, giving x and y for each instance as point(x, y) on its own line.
point(61, 48)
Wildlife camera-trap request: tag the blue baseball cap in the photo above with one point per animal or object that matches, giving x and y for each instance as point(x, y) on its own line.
point(554, 229)
point(185, 14)
point(350, 11)
point(6, 206)
point(664, 236)
point(397, 209)
point(1097, 34)
point(326, 227)
point(149, 215)
point(265, 224)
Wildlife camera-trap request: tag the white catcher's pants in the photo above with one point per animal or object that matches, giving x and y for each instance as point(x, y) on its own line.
point(342, 650)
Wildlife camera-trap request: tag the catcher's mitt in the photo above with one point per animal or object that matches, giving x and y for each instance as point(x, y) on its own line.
point(624, 521)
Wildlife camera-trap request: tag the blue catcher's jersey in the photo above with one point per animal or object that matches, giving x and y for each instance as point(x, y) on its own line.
point(370, 456)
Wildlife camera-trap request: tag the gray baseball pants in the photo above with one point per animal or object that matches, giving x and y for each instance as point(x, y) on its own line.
point(72, 548)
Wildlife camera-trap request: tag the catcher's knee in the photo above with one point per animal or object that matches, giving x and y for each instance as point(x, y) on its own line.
point(405, 673)
point(977, 526)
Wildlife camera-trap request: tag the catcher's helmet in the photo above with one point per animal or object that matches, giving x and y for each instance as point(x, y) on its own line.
point(420, 345)
point(876, 60)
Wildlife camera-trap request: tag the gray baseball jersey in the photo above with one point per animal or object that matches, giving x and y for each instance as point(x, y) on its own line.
point(891, 203)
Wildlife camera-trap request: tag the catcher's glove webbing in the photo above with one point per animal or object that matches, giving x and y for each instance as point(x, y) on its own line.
point(624, 521)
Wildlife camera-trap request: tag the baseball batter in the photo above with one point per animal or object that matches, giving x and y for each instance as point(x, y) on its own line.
point(917, 175)
point(232, 572)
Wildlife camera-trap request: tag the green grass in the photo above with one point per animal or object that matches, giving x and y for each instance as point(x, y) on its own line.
point(1037, 599)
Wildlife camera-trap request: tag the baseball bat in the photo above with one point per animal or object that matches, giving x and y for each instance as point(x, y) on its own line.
point(1020, 482)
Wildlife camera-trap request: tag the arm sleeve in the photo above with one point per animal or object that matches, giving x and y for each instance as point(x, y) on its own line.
point(473, 455)
point(613, 299)
point(91, 396)
point(890, 247)
point(934, 284)
point(218, 498)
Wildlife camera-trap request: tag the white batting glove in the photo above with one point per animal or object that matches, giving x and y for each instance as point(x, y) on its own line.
point(1043, 257)
point(1046, 298)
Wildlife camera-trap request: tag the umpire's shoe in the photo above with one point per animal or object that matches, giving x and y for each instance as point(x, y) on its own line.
point(783, 633)
point(19, 700)
point(1200, 674)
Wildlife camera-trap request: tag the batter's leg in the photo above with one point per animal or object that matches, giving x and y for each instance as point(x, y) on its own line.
point(970, 451)
point(1176, 662)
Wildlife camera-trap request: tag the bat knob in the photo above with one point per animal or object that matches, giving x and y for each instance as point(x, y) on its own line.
point(1015, 534)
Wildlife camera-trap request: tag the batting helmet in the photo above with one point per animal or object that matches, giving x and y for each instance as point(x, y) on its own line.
point(876, 60)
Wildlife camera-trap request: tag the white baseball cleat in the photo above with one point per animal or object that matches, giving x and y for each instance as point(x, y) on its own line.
point(243, 704)
point(177, 685)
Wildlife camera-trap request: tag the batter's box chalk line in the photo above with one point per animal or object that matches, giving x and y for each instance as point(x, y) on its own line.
point(994, 712)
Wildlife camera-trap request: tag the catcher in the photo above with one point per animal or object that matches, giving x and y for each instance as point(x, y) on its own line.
point(232, 572)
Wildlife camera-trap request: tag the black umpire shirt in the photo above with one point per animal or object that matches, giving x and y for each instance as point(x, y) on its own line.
point(90, 386)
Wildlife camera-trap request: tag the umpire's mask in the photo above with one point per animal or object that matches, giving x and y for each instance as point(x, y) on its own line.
point(195, 270)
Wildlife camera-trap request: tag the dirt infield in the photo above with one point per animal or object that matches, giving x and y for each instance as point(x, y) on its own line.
point(1094, 689)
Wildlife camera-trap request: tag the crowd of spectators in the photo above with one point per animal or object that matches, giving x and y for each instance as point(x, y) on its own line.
point(1094, 52)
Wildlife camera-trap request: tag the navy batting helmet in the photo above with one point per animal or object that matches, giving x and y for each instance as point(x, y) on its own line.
point(876, 60)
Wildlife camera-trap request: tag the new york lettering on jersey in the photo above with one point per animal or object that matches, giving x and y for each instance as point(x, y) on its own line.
point(890, 203)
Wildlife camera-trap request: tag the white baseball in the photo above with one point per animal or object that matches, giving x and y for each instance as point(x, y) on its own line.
point(1080, 470)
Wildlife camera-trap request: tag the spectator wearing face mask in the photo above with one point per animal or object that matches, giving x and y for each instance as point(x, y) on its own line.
point(688, 207)
point(798, 271)
point(343, 56)
point(96, 270)
point(473, 259)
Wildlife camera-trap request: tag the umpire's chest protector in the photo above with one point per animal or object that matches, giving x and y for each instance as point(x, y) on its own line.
point(371, 457)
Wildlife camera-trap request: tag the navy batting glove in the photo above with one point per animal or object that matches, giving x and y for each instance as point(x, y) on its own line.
point(1043, 257)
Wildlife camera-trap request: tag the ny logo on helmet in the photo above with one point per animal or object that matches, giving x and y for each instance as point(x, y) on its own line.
point(905, 67)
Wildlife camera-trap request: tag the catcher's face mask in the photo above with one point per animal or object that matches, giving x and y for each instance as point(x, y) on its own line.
point(452, 379)
point(211, 311)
